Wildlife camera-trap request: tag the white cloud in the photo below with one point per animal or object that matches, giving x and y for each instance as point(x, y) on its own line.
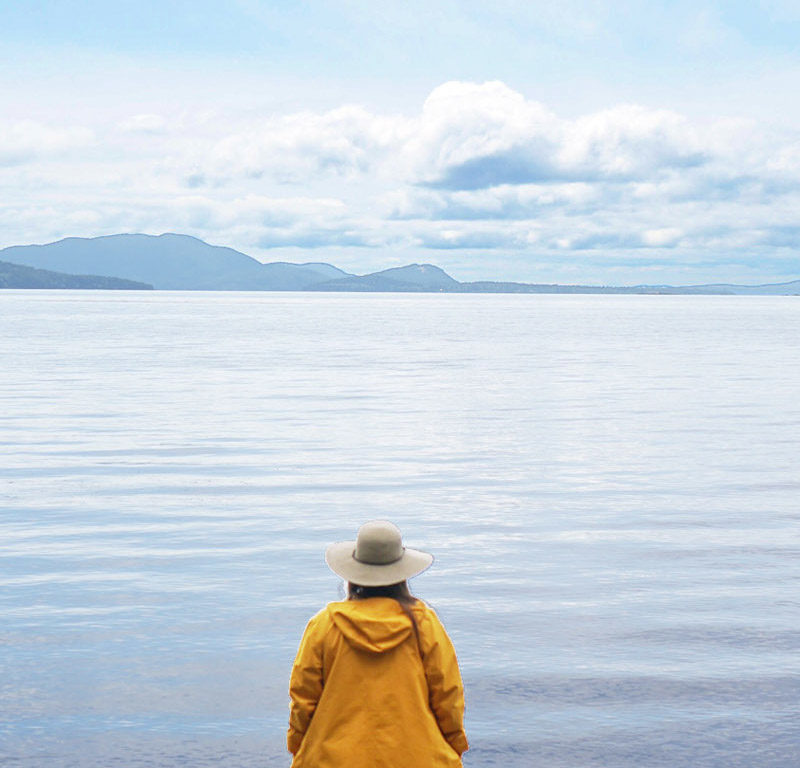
point(211, 213)
point(467, 136)
point(481, 236)
point(666, 237)
point(25, 140)
point(249, 221)
point(145, 123)
point(479, 168)
point(628, 142)
point(472, 136)
point(345, 141)
point(507, 201)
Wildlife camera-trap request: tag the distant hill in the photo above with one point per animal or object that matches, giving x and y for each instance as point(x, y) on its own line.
point(18, 276)
point(769, 289)
point(414, 277)
point(493, 287)
point(423, 275)
point(181, 262)
point(170, 262)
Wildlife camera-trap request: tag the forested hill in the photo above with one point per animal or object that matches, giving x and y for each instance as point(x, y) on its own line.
point(19, 276)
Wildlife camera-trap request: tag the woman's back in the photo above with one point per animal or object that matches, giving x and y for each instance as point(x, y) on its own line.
point(368, 690)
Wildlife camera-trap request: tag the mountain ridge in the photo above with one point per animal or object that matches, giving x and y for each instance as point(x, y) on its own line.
point(168, 262)
point(172, 261)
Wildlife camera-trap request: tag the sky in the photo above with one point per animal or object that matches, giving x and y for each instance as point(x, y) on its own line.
point(582, 141)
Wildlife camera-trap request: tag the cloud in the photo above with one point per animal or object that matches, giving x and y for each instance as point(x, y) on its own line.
point(25, 140)
point(305, 236)
point(665, 237)
point(463, 235)
point(505, 202)
point(473, 136)
point(478, 169)
point(629, 142)
point(146, 123)
point(246, 222)
point(782, 236)
point(211, 213)
point(342, 142)
point(624, 239)
point(468, 136)
point(546, 236)
point(300, 222)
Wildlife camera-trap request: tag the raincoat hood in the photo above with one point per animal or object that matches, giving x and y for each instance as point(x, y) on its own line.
point(376, 624)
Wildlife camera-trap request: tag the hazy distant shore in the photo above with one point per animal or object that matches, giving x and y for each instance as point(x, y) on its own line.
point(181, 262)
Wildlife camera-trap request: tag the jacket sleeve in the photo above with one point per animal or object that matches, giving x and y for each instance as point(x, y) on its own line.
point(305, 684)
point(445, 689)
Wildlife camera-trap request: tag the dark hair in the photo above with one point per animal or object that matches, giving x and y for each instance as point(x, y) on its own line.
point(398, 591)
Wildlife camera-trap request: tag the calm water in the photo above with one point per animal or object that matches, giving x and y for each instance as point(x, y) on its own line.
point(610, 485)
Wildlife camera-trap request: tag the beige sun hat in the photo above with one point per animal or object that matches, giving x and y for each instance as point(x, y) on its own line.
point(377, 557)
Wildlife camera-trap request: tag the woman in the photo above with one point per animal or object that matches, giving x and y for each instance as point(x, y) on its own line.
point(376, 681)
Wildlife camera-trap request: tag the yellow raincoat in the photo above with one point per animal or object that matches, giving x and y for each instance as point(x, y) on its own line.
point(363, 694)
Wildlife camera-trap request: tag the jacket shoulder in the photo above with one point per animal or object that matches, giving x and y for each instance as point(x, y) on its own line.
point(422, 608)
point(320, 622)
point(322, 616)
point(427, 618)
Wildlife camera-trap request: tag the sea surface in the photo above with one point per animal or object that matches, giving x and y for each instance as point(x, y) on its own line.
point(610, 485)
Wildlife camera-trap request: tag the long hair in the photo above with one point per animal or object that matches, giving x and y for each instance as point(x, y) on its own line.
point(398, 591)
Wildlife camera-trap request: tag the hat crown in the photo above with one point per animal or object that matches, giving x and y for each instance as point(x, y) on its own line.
point(378, 543)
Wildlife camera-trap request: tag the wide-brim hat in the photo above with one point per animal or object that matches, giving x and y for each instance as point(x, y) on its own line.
point(377, 557)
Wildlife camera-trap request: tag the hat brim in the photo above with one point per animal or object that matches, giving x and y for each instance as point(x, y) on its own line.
point(341, 561)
